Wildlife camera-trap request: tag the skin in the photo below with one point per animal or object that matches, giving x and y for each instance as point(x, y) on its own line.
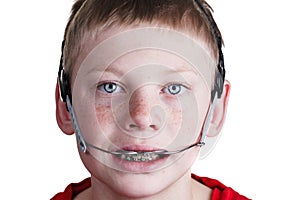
point(172, 182)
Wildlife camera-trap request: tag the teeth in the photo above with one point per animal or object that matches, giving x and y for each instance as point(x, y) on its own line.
point(140, 157)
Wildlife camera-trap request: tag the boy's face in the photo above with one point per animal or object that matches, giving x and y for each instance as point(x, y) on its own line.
point(137, 91)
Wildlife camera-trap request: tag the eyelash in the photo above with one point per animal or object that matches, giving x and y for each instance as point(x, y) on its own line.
point(102, 87)
point(117, 88)
point(182, 89)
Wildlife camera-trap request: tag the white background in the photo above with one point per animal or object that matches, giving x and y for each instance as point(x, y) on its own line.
point(258, 153)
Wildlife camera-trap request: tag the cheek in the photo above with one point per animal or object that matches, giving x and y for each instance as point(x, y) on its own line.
point(186, 114)
point(175, 117)
point(104, 116)
point(173, 112)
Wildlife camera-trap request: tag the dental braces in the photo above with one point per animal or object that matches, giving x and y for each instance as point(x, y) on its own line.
point(140, 157)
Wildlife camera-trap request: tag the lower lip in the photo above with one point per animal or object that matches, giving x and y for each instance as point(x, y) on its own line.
point(140, 167)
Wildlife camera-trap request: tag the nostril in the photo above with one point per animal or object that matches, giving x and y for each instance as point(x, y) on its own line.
point(132, 126)
point(140, 126)
point(153, 127)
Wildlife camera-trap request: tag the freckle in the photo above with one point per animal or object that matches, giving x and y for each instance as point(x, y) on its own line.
point(138, 107)
point(176, 116)
point(104, 115)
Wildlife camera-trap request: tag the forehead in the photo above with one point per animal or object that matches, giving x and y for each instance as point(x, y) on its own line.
point(152, 44)
point(147, 66)
point(146, 57)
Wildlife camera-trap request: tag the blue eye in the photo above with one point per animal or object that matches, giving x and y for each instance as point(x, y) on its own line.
point(110, 87)
point(174, 89)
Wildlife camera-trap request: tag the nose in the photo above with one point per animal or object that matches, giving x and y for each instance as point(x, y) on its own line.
point(144, 110)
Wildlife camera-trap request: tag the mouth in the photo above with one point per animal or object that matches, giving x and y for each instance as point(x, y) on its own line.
point(140, 159)
point(140, 154)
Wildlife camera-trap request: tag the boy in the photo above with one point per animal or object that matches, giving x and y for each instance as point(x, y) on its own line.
point(141, 84)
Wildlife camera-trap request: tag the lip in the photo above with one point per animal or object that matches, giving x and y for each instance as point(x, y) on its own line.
point(139, 166)
point(140, 148)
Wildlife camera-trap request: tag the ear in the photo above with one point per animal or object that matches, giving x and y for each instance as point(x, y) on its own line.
point(219, 113)
point(63, 117)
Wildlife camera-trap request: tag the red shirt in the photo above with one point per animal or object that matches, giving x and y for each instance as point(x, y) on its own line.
point(220, 191)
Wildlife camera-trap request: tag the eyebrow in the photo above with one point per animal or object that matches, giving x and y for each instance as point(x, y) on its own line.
point(183, 70)
point(119, 73)
point(108, 69)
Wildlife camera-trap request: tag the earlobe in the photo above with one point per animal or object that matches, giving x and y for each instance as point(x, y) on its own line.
point(219, 113)
point(63, 117)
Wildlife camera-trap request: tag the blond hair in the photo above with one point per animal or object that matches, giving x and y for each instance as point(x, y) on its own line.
point(88, 15)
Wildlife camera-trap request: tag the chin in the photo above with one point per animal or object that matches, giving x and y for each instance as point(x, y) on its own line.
point(143, 185)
